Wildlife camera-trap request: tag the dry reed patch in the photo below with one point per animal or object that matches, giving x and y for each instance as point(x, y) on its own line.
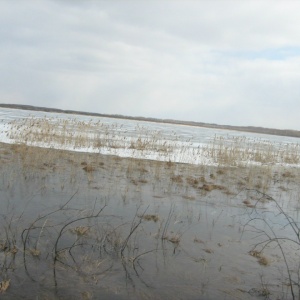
point(202, 179)
point(240, 151)
point(192, 181)
point(288, 174)
point(262, 259)
point(86, 295)
point(212, 176)
point(177, 178)
point(170, 164)
point(4, 285)
point(80, 230)
point(248, 203)
point(174, 239)
point(221, 172)
point(154, 218)
point(14, 250)
point(208, 250)
point(89, 168)
point(143, 181)
point(211, 187)
point(35, 252)
point(72, 133)
point(255, 253)
point(3, 246)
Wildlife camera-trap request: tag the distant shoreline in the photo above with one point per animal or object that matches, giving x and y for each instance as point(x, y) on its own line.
point(271, 131)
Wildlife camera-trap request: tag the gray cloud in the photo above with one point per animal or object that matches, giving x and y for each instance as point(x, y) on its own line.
point(226, 62)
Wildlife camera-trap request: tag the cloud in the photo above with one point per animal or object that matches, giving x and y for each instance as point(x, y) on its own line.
point(226, 62)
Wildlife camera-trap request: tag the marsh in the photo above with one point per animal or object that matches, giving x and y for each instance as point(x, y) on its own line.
point(131, 229)
point(122, 210)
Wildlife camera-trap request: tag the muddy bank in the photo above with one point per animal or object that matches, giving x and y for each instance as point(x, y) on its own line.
point(85, 226)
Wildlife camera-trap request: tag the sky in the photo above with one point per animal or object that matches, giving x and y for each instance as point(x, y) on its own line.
point(215, 61)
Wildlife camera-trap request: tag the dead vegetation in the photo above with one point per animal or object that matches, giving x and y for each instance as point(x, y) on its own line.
point(262, 259)
point(4, 285)
point(80, 230)
point(84, 229)
point(174, 238)
point(97, 136)
point(211, 187)
point(282, 236)
point(154, 218)
point(88, 168)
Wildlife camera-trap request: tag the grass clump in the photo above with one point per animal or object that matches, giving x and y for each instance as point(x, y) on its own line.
point(154, 218)
point(80, 230)
point(174, 239)
point(192, 181)
point(211, 187)
point(262, 259)
point(4, 285)
point(177, 178)
point(35, 252)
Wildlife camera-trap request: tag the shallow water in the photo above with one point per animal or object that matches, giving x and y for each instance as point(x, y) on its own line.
point(197, 248)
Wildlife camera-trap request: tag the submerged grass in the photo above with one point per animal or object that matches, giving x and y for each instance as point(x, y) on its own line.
point(83, 241)
point(4, 285)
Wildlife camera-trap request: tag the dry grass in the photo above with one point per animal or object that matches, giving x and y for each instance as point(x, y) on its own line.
point(288, 174)
point(192, 181)
point(208, 250)
point(35, 252)
point(88, 168)
point(174, 239)
point(75, 134)
point(262, 259)
point(177, 178)
point(238, 151)
point(211, 187)
point(154, 218)
point(4, 285)
point(248, 203)
point(80, 230)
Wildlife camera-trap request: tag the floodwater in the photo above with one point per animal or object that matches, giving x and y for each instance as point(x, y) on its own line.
point(90, 226)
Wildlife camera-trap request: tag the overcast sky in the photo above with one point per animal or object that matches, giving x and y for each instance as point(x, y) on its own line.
point(224, 62)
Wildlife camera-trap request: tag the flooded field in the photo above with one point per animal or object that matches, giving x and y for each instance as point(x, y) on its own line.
point(77, 225)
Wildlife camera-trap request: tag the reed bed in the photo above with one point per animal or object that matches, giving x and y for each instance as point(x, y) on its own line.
point(72, 134)
point(143, 212)
point(242, 151)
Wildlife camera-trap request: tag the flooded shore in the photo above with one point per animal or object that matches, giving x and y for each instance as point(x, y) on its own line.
point(84, 226)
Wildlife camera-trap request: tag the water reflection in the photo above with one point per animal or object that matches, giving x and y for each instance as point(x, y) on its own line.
point(117, 233)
